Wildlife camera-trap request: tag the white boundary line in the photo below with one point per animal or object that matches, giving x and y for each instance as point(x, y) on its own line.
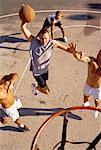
point(89, 26)
point(44, 11)
point(22, 75)
point(72, 10)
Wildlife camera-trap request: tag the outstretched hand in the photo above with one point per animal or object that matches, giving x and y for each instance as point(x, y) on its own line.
point(72, 47)
point(81, 54)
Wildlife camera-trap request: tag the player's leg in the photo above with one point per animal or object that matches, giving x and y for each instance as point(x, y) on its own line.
point(97, 99)
point(59, 24)
point(4, 119)
point(86, 101)
point(86, 92)
point(46, 25)
point(3, 116)
point(97, 104)
point(42, 85)
point(22, 126)
point(14, 114)
point(44, 90)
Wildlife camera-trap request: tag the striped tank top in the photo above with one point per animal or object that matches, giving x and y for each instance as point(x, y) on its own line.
point(40, 56)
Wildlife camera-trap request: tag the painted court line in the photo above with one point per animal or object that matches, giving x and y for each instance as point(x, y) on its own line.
point(22, 75)
point(45, 11)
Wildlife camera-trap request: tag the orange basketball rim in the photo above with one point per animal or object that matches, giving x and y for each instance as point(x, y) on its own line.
point(58, 113)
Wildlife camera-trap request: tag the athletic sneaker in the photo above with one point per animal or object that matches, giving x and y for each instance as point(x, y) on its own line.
point(65, 39)
point(96, 114)
point(34, 90)
point(25, 128)
point(86, 104)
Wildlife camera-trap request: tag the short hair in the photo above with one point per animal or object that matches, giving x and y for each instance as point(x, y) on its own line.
point(43, 31)
point(57, 13)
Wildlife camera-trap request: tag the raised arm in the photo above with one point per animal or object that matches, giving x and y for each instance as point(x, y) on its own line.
point(26, 31)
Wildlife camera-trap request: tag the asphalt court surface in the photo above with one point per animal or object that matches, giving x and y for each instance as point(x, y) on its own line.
point(82, 24)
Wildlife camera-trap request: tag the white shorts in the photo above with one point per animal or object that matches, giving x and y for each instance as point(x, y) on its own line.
point(95, 92)
point(13, 110)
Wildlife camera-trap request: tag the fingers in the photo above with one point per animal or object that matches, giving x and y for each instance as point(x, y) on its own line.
point(75, 46)
point(72, 46)
point(23, 5)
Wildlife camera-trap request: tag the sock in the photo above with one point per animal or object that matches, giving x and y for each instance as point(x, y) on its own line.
point(22, 125)
point(86, 104)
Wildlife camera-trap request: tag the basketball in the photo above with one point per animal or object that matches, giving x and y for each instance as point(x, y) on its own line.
point(27, 13)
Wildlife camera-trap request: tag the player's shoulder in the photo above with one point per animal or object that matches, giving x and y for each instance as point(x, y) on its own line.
point(34, 39)
point(54, 41)
point(52, 17)
point(92, 60)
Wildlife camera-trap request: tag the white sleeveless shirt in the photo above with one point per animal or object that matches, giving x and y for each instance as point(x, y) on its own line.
point(53, 18)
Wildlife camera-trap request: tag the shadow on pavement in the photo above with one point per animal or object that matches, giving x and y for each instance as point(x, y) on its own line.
point(95, 21)
point(14, 48)
point(81, 17)
point(95, 5)
point(44, 112)
point(94, 142)
point(11, 39)
point(64, 141)
point(92, 21)
point(10, 128)
point(36, 112)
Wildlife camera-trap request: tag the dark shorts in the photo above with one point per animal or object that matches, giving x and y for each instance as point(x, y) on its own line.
point(47, 24)
point(58, 24)
point(31, 67)
point(42, 79)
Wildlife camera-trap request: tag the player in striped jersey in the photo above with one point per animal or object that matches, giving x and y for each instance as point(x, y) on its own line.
point(40, 52)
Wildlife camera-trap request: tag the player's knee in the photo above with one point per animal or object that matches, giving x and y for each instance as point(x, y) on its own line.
point(97, 102)
point(46, 90)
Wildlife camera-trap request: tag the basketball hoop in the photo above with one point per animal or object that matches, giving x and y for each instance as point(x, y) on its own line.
point(58, 113)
